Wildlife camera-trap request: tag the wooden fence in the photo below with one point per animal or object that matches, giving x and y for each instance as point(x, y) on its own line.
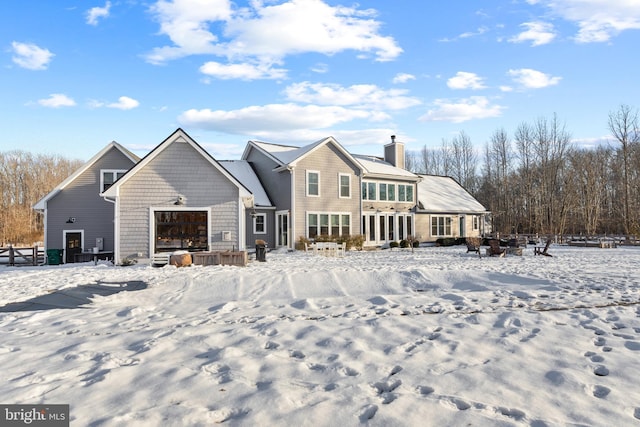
point(22, 256)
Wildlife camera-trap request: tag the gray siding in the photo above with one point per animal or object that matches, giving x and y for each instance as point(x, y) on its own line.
point(178, 170)
point(330, 162)
point(81, 200)
point(276, 184)
point(269, 236)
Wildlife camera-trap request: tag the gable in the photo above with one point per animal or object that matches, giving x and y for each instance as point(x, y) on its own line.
point(177, 152)
point(113, 156)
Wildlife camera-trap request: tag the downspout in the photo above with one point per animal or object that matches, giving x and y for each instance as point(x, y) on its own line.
point(292, 210)
point(116, 228)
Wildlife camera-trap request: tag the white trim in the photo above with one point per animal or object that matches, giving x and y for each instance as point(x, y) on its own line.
point(307, 172)
point(111, 171)
point(264, 224)
point(64, 242)
point(152, 224)
point(328, 213)
point(340, 175)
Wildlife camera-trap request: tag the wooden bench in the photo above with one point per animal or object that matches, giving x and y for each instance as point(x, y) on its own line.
point(539, 250)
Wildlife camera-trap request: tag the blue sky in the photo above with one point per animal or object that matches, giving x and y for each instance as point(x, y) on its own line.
point(76, 75)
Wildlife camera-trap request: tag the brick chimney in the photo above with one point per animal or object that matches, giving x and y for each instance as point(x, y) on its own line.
point(394, 153)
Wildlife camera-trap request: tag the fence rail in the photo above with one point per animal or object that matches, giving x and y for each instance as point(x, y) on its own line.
point(22, 256)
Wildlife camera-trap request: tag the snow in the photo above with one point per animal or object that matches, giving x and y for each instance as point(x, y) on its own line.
point(444, 194)
point(430, 338)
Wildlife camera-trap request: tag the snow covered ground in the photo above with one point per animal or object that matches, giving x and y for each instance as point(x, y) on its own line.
point(432, 338)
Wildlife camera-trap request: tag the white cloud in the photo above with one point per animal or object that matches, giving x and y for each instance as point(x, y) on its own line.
point(320, 68)
point(538, 33)
point(124, 103)
point(266, 34)
point(403, 78)
point(244, 71)
point(269, 119)
point(97, 12)
point(186, 23)
point(597, 20)
point(57, 100)
point(480, 31)
point(465, 80)
point(31, 56)
point(359, 96)
point(533, 79)
point(459, 111)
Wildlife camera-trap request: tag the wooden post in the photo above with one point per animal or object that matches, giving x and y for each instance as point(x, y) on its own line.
point(11, 260)
point(35, 255)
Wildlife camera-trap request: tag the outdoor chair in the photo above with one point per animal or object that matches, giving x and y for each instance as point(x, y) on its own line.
point(495, 249)
point(538, 250)
point(473, 247)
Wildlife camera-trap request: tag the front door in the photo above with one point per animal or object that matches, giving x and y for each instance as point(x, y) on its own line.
point(72, 245)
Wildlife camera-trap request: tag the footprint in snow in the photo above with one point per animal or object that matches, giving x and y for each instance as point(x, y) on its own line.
point(601, 391)
point(424, 390)
point(367, 413)
point(296, 354)
point(601, 371)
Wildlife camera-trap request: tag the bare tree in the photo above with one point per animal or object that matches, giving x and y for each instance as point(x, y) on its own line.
point(623, 125)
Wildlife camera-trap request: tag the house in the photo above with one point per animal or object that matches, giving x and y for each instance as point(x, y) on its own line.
point(260, 219)
point(446, 209)
point(322, 189)
point(315, 188)
point(389, 196)
point(76, 218)
point(178, 197)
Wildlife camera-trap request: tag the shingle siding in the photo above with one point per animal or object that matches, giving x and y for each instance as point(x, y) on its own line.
point(330, 162)
point(277, 185)
point(81, 200)
point(178, 170)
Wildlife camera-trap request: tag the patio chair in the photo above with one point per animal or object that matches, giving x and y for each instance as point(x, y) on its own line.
point(542, 251)
point(495, 249)
point(473, 247)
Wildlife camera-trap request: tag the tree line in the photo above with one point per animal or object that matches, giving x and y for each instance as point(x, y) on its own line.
point(535, 180)
point(24, 179)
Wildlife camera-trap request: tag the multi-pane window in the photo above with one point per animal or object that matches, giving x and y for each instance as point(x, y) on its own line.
point(476, 222)
point(391, 192)
point(405, 193)
point(382, 188)
point(345, 186)
point(108, 177)
point(441, 226)
point(328, 224)
point(260, 223)
point(369, 191)
point(313, 183)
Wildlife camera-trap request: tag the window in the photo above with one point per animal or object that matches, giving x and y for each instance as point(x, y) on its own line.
point(313, 183)
point(345, 186)
point(369, 191)
point(324, 224)
point(260, 223)
point(476, 222)
point(382, 188)
point(405, 193)
point(109, 176)
point(181, 230)
point(346, 225)
point(312, 227)
point(441, 226)
point(335, 225)
point(391, 192)
point(328, 224)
